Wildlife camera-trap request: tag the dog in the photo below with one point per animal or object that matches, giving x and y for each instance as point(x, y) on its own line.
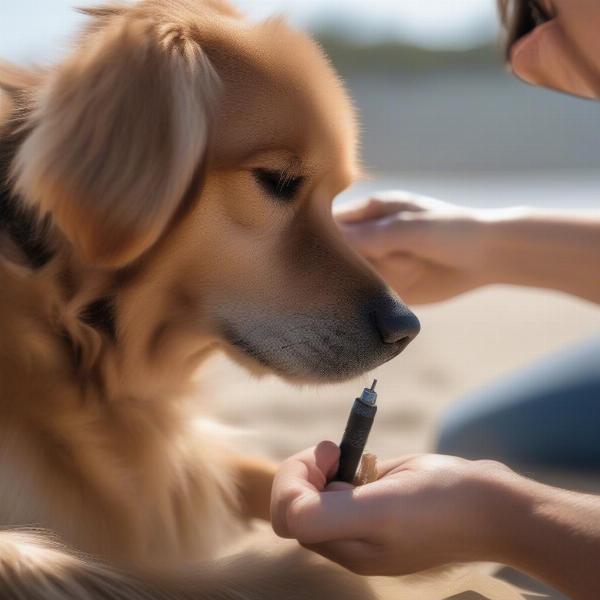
point(165, 194)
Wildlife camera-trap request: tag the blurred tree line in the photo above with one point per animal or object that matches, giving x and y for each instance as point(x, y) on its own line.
point(353, 58)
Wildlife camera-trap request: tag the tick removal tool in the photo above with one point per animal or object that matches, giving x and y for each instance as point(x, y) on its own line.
point(356, 434)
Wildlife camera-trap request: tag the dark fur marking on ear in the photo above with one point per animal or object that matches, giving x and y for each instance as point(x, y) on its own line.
point(29, 233)
point(26, 230)
point(100, 315)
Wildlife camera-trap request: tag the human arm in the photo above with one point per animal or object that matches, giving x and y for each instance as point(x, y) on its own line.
point(430, 250)
point(430, 510)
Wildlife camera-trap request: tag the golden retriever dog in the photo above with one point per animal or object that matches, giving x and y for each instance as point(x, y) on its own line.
point(165, 193)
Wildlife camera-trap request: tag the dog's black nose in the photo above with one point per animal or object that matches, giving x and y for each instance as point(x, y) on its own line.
point(394, 321)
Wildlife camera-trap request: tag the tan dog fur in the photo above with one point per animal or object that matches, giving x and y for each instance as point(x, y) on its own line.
point(137, 157)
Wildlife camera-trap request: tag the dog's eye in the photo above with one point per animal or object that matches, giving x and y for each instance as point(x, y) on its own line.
point(278, 184)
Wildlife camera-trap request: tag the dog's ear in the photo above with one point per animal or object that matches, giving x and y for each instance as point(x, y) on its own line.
point(118, 136)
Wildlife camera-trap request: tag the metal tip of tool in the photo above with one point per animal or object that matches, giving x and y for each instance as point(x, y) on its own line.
point(369, 395)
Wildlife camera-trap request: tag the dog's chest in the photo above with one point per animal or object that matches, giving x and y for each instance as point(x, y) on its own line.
point(173, 506)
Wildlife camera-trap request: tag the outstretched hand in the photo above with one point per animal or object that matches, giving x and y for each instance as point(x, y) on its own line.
point(423, 511)
point(427, 250)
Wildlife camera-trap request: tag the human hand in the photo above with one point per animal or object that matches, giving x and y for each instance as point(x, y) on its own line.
point(424, 511)
point(427, 250)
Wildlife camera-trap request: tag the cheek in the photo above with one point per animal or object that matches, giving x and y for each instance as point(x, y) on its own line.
point(245, 205)
point(581, 22)
point(545, 58)
point(235, 240)
point(537, 56)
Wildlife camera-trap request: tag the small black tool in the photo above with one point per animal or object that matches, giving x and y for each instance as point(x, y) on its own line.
point(356, 434)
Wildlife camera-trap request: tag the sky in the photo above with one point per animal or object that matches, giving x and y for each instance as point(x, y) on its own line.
point(37, 29)
point(433, 23)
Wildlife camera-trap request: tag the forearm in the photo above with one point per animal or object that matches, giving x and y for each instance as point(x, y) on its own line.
point(544, 249)
point(552, 534)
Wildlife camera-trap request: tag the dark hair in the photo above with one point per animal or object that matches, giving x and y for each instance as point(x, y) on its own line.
point(519, 17)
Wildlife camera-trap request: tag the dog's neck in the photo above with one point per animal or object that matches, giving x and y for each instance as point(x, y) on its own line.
point(119, 346)
point(116, 346)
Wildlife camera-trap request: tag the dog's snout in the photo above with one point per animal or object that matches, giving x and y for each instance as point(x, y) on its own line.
point(393, 320)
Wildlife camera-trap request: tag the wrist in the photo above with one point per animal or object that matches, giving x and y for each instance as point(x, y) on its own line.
point(512, 519)
point(498, 516)
point(506, 238)
point(482, 233)
point(552, 534)
point(520, 521)
point(544, 249)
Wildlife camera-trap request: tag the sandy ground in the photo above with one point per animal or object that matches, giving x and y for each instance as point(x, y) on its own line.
point(465, 343)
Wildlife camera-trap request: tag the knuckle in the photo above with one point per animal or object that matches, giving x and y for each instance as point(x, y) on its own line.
point(374, 202)
point(358, 567)
point(492, 464)
point(291, 523)
point(283, 516)
point(278, 522)
point(279, 528)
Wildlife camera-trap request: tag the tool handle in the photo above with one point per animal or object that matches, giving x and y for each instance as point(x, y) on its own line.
point(355, 439)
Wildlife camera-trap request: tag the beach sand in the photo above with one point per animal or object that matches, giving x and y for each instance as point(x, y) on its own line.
point(464, 344)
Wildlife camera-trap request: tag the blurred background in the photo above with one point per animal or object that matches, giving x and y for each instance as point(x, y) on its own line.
point(441, 116)
point(439, 110)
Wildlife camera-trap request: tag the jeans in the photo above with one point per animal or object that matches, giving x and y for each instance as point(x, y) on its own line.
point(547, 414)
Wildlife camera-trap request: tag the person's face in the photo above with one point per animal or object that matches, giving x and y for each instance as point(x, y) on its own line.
point(564, 51)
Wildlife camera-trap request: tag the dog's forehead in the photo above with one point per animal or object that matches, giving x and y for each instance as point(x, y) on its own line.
point(280, 92)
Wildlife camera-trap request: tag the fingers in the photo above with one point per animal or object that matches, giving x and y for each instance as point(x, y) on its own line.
point(403, 463)
point(388, 203)
point(394, 222)
point(303, 509)
point(310, 469)
point(403, 273)
point(326, 458)
point(301, 476)
point(372, 209)
point(339, 486)
point(380, 238)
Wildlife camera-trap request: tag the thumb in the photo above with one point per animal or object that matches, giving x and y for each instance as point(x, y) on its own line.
point(301, 509)
point(327, 516)
point(303, 475)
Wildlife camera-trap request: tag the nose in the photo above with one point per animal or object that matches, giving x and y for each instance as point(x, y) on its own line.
point(393, 320)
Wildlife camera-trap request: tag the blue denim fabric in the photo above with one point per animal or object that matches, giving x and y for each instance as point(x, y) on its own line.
point(547, 414)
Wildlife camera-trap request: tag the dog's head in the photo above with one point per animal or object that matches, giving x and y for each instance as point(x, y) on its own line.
point(200, 155)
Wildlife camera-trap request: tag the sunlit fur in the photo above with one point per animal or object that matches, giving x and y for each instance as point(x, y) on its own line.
point(134, 243)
